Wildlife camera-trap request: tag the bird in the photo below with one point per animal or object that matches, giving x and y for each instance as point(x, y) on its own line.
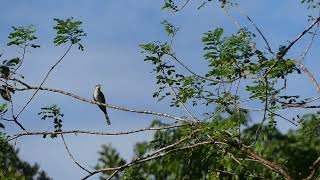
point(99, 97)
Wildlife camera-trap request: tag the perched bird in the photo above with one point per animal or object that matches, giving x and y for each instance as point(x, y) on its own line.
point(99, 97)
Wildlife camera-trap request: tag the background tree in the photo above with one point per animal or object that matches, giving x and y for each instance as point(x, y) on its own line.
point(12, 167)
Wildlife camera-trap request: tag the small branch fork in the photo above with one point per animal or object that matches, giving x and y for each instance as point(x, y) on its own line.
point(44, 80)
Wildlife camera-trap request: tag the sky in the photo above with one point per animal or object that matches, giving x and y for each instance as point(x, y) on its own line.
point(112, 58)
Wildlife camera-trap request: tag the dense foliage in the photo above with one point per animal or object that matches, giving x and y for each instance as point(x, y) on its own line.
point(13, 168)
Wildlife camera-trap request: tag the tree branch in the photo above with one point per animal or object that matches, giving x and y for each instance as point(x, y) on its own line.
point(269, 164)
point(76, 132)
point(108, 105)
point(71, 156)
point(315, 166)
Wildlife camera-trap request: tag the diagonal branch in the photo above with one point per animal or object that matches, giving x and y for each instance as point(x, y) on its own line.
point(269, 164)
point(315, 166)
point(298, 38)
point(257, 28)
point(71, 156)
point(284, 52)
point(152, 155)
point(44, 80)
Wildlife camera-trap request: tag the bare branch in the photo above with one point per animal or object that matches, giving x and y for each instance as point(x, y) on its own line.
point(311, 77)
point(257, 28)
point(298, 38)
point(76, 132)
point(71, 156)
point(269, 164)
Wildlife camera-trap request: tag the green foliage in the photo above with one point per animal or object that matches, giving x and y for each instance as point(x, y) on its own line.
point(236, 57)
point(170, 29)
point(187, 87)
point(68, 31)
point(52, 112)
point(132, 173)
point(109, 157)
point(311, 4)
point(295, 150)
point(12, 167)
point(169, 5)
point(23, 36)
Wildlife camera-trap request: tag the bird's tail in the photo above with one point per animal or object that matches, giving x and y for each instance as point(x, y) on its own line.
point(107, 118)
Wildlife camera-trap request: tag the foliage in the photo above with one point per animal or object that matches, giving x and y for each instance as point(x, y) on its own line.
point(68, 31)
point(52, 112)
point(109, 157)
point(23, 36)
point(12, 167)
point(295, 150)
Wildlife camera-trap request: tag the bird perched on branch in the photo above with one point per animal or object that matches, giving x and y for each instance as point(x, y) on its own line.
point(99, 97)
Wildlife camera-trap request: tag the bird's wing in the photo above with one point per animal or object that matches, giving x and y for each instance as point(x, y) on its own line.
point(102, 100)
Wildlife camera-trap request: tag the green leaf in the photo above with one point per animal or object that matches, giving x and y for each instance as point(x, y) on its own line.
point(169, 28)
point(3, 107)
point(21, 35)
point(68, 31)
point(12, 62)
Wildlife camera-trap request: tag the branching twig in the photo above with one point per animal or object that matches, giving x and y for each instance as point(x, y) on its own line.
point(284, 52)
point(297, 39)
point(152, 155)
point(44, 80)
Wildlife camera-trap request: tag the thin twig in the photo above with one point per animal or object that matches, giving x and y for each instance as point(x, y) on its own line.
point(183, 6)
point(284, 52)
point(71, 156)
point(279, 115)
point(76, 132)
point(152, 155)
point(257, 28)
point(44, 80)
point(264, 114)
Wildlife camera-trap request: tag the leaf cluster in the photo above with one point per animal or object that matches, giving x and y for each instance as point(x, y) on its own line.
point(52, 112)
point(69, 31)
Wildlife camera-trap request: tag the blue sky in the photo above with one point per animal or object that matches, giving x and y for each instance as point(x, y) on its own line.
point(112, 58)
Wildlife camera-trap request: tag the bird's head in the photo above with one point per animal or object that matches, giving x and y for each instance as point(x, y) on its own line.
point(98, 86)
